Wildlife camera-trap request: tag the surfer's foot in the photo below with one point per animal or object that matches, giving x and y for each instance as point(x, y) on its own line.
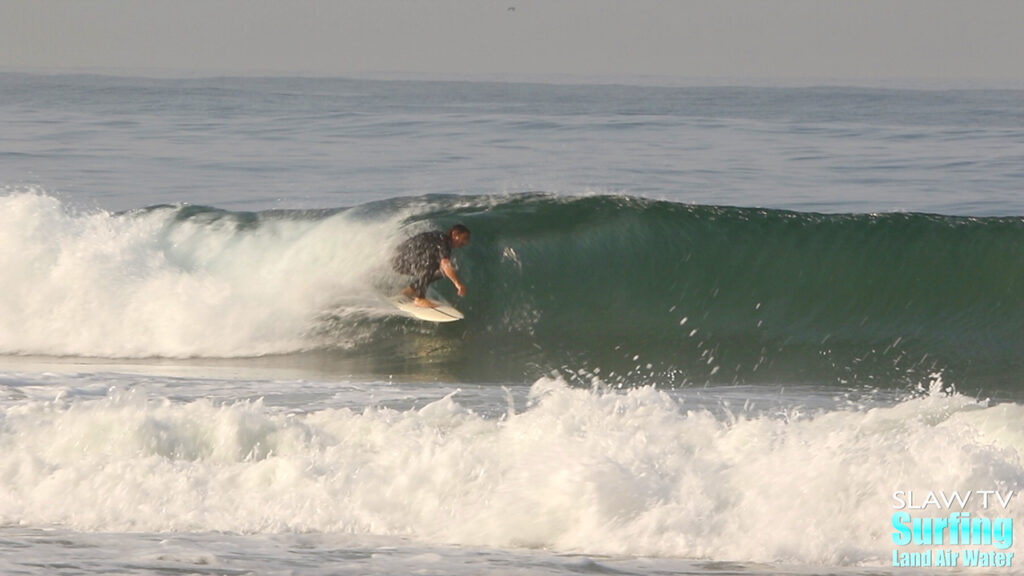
point(424, 303)
point(409, 292)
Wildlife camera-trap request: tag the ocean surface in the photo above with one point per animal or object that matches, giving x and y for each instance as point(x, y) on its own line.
point(709, 329)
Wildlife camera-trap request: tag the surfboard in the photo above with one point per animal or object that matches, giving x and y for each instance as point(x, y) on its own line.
point(442, 313)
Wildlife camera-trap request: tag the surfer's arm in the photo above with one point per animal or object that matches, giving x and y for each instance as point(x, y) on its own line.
point(449, 270)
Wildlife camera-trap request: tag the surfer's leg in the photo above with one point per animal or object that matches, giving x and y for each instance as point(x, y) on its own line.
point(419, 289)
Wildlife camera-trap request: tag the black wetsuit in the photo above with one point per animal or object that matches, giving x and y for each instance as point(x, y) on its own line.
point(420, 257)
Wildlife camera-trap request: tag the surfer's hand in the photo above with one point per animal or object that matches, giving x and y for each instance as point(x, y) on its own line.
point(461, 288)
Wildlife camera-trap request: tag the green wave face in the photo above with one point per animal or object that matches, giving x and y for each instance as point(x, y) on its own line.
point(704, 293)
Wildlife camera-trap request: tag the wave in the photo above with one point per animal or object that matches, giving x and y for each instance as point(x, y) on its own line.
point(601, 471)
point(612, 285)
point(175, 281)
point(735, 294)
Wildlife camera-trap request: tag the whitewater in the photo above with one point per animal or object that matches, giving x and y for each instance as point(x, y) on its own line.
point(708, 329)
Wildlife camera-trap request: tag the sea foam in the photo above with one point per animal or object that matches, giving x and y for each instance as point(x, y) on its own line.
point(164, 282)
point(633, 472)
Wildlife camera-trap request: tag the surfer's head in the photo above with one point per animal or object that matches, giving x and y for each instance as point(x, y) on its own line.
point(459, 235)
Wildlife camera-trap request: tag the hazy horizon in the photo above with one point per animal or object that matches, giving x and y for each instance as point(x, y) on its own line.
point(797, 41)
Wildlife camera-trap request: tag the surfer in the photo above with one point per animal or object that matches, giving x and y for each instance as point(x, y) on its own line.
point(425, 257)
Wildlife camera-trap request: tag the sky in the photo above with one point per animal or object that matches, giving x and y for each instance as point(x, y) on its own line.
point(958, 41)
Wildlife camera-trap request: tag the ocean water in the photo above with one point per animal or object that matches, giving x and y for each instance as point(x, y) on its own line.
point(709, 330)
